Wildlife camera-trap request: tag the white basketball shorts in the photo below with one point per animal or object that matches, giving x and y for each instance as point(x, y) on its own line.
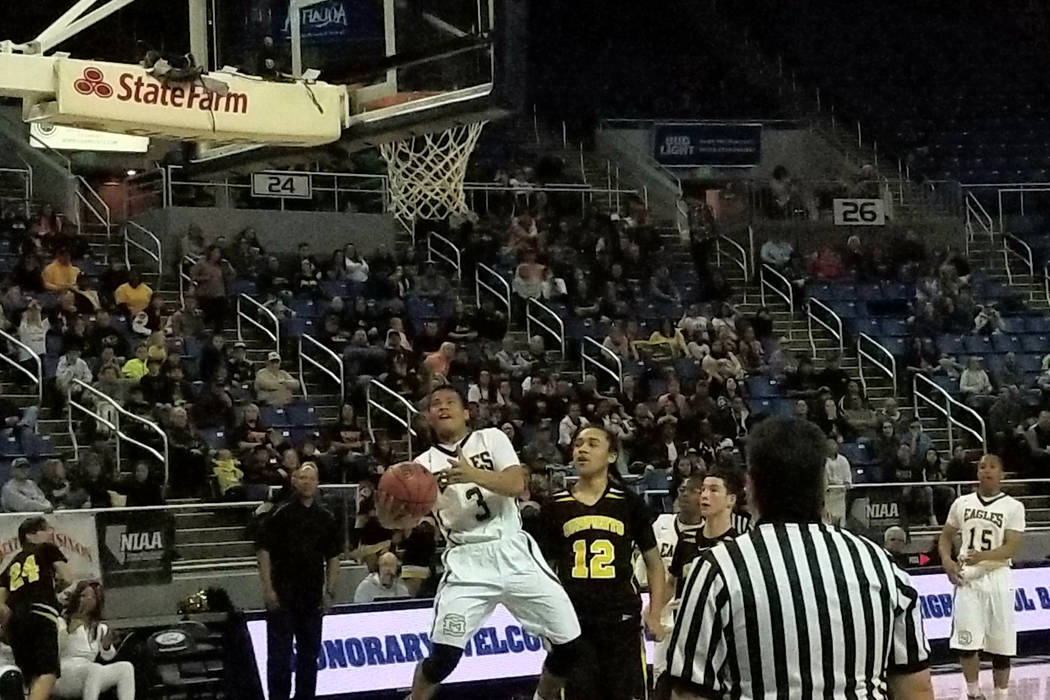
point(983, 615)
point(510, 571)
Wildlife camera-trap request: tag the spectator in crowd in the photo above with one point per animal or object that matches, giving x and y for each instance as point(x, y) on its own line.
point(71, 367)
point(21, 494)
point(1038, 438)
point(16, 422)
point(141, 489)
point(439, 363)
point(895, 539)
point(60, 275)
point(54, 485)
point(186, 451)
point(273, 385)
point(84, 640)
point(136, 368)
point(383, 583)
point(917, 439)
point(134, 296)
point(209, 278)
point(32, 332)
point(839, 479)
point(568, 427)
point(974, 384)
point(355, 265)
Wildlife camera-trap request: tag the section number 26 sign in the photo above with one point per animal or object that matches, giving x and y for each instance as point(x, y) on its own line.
point(860, 212)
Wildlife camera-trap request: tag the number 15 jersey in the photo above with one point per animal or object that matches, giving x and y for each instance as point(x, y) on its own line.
point(468, 513)
point(983, 522)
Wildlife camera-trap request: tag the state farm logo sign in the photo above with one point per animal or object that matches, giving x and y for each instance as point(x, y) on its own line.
point(149, 91)
point(93, 82)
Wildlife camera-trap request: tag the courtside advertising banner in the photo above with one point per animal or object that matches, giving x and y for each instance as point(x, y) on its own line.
point(367, 650)
point(74, 535)
point(136, 546)
point(220, 107)
point(691, 145)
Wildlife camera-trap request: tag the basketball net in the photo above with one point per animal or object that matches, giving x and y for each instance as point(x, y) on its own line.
point(425, 173)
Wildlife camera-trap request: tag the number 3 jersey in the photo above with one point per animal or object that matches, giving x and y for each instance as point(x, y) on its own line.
point(592, 547)
point(983, 522)
point(468, 513)
point(30, 576)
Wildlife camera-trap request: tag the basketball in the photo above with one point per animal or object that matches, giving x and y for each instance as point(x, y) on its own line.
point(408, 487)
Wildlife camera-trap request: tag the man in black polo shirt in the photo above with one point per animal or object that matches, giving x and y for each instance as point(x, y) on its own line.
point(296, 544)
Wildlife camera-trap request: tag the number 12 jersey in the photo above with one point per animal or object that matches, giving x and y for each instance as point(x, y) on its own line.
point(468, 513)
point(592, 547)
point(983, 522)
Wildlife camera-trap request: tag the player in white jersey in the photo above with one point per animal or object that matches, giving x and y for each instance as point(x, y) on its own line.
point(668, 528)
point(990, 524)
point(490, 559)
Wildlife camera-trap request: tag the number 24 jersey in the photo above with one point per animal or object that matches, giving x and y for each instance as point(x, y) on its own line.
point(468, 513)
point(30, 577)
point(592, 547)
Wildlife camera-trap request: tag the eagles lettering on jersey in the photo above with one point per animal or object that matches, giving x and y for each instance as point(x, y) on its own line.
point(468, 513)
point(982, 522)
point(592, 547)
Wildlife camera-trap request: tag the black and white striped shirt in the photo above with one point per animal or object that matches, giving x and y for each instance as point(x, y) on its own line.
point(799, 611)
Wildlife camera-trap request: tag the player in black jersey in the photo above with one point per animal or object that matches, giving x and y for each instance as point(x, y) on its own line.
point(719, 491)
point(29, 604)
point(592, 532)
point(716, 495)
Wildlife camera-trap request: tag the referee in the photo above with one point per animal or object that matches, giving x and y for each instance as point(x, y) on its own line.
point(298, 551)
point(796, 608)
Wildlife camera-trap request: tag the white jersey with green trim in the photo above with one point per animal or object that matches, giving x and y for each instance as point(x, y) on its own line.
point(468, 513)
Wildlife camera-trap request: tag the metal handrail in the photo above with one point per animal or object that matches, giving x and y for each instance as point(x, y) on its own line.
point(339, 376)
point(1046, 283)
point(149, 186)
point(950, 405)
point(26, 174)
point(371, 403)
point(274, 335)
point(587, 193)
point(455, 261)
point(104, 215)
point(741, 262)
point(836, 332)
point(681, 218)
point(862, 354)
point(158, 256)
point(788, 296)
point(1024, 255)
point(616, 375)
point(380, 186)
point(184, 278)
point(115, 427)
point(559, 333)
point(975, 211)
point(479, 284)
point(38, 378)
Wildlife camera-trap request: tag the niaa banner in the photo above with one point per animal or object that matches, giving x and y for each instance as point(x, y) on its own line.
point(74, 535)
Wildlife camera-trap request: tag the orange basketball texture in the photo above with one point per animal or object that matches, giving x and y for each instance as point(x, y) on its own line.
point(411, 486)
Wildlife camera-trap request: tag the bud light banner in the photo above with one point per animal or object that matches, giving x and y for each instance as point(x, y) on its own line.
point(135, 546)
point(693, 145)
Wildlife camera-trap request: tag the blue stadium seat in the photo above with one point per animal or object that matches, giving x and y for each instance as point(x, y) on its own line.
point(763, 387)
point(274, 416)
point(215, 439)
point(977, 344)
point(53, 344)
point(894, 327)
point(1007, 343)
point(1036, 343)
point(305, 308)
point(867, 292)
point(301, 414)
point(1013, 324)
point(1038, 324)
point(871, 326)
point(951, 344)
point(242, 286)
point(1030, 362)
